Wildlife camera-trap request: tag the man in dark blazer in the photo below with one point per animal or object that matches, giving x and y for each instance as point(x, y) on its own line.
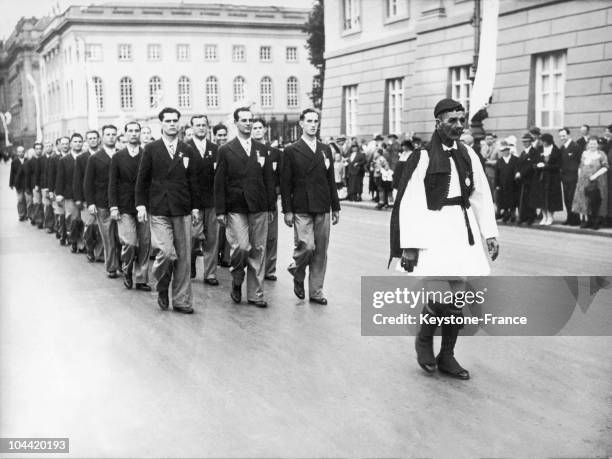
point(64, 191)
point(17, 182)
point(91, 234)
point(571, 154)
point(95, 187)
point(37, 182)
point(206, 230)
point(59, 226)
point(308, 192)
point(48, 155)
point(164, 194)
point(245, 199)
point(584, 137)
point(259, 133)
point(28, 171)
point(134, 236)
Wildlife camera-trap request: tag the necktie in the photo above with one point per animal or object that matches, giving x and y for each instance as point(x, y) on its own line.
point(171, 148)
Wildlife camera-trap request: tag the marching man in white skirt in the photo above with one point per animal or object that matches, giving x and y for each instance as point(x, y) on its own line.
point(443, 225)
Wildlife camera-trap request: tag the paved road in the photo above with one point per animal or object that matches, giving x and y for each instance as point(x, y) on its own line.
point(80, 357)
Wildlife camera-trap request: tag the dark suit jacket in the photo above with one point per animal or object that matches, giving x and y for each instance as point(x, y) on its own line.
point(41, 171)
point(17, 178)
point(307, 183)
point(581, 142)
point(52, 163)
point(96, 179)
point(276, 156)
point(64, 177)
point(203, 176)
point(122, 181)
point(79, 176)
point(570, 160)
point(357, 166)
point(163, 184)
point(28, 171)
point(242, 185)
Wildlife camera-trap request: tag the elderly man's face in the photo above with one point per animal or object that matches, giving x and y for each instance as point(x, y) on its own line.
point(450, 124)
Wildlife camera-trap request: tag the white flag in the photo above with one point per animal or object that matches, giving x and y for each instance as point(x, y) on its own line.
point(487, 57)
point(30, 79)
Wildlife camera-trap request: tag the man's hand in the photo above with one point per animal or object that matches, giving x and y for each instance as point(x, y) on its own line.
point(410, 258)
point(142, 214)
point(114, 214)
point(222, 219)
point(335, 217)
point(92, 209)
point(289, 219)
point(195, 217)
point(493, 248)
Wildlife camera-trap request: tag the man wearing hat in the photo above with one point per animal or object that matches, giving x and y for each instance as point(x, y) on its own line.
point(443, 210)
point(527, 161)
point(505, 182)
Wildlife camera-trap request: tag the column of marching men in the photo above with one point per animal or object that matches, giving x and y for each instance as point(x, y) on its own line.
point(148, 208)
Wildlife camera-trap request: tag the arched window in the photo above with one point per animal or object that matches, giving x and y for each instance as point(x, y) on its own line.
point(155, 87)
point(212, 92)
point(265, 91)
point(126, 92)
point(292, 92)
point(239, 89)
point(184, 92)
point(99, 92)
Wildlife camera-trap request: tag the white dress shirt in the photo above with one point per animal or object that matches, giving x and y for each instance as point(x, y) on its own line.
point(171, 146)
point(246, 144)
point(311, 144)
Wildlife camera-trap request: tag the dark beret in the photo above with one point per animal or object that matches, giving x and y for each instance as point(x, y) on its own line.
point(527, 136)
point(447, 105)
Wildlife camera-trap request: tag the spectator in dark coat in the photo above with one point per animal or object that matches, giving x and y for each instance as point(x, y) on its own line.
point(506, 169)
point(546, 182)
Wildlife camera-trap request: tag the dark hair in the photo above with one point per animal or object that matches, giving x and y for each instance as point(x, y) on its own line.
point(241, 109)
point(593, 137)
point(309, 110)
point(587, 126)
point(76, 134)
point(259, 119)
point(132, 122)
point(168, 110)
point(547, 138)
point(108, 126)
point(609, 127)
point(567, 131)
point(534, 130)
point(354, 145)
point(194, 117)
point(38, 143)
point(408, 144)
point(219, 127)
point(92, 131)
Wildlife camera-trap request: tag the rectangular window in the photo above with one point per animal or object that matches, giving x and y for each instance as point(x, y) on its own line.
point(461, 85)
point(265, 53)
point(238, 53)
point(154, 52)
point(93, 52)
point(350, 109)
point(125, 52)
point(396, 9)
point(550, 89)
point(350, 18)
point(395, 90)
point(182, 52)
point(210, 53)
point(291, 54)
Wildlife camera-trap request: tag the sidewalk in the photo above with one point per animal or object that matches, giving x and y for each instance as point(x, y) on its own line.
point(555, 227)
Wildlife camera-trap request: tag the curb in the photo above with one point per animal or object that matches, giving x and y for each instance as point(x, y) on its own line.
point(555, 228)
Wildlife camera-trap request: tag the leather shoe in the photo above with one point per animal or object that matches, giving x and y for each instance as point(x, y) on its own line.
point(271, 277)
point(128, 281)
point(90, 257)
point(162, 299)
point(322, 301)
point(211, 281)
point(112, 274)
point(236, 293)
point(183, 309)
point(73, 247)
point(298, 289)
point(50, 231)
point(142, 286)
point(259, 303)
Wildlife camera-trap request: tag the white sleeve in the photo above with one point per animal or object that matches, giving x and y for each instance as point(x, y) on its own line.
point(414, 215)
point(481, 200)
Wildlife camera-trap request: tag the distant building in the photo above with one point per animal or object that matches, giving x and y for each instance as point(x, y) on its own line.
point(18, 58)
point(389, 61)
point(198, 58)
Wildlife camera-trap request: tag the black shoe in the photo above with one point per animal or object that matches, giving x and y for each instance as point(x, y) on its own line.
point(259, 303)
point(298, 289)
point(183, 309)
point(212, 281)
point(21, 219)
point(271, 277)
point(50, 231)
point(73, 247)
point(128, 281)
point(32, 222)
point(142, 286)
point(162, 299)
point(40, 226)
point(91, 257)
point(193, 266)
point(322, 301)
point(63, 241)
point(112, 274)
point(446, 361)
point(423, 345)
point(224, 264)
point(236, 293)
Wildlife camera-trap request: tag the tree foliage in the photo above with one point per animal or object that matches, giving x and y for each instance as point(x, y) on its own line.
point(315, 43)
